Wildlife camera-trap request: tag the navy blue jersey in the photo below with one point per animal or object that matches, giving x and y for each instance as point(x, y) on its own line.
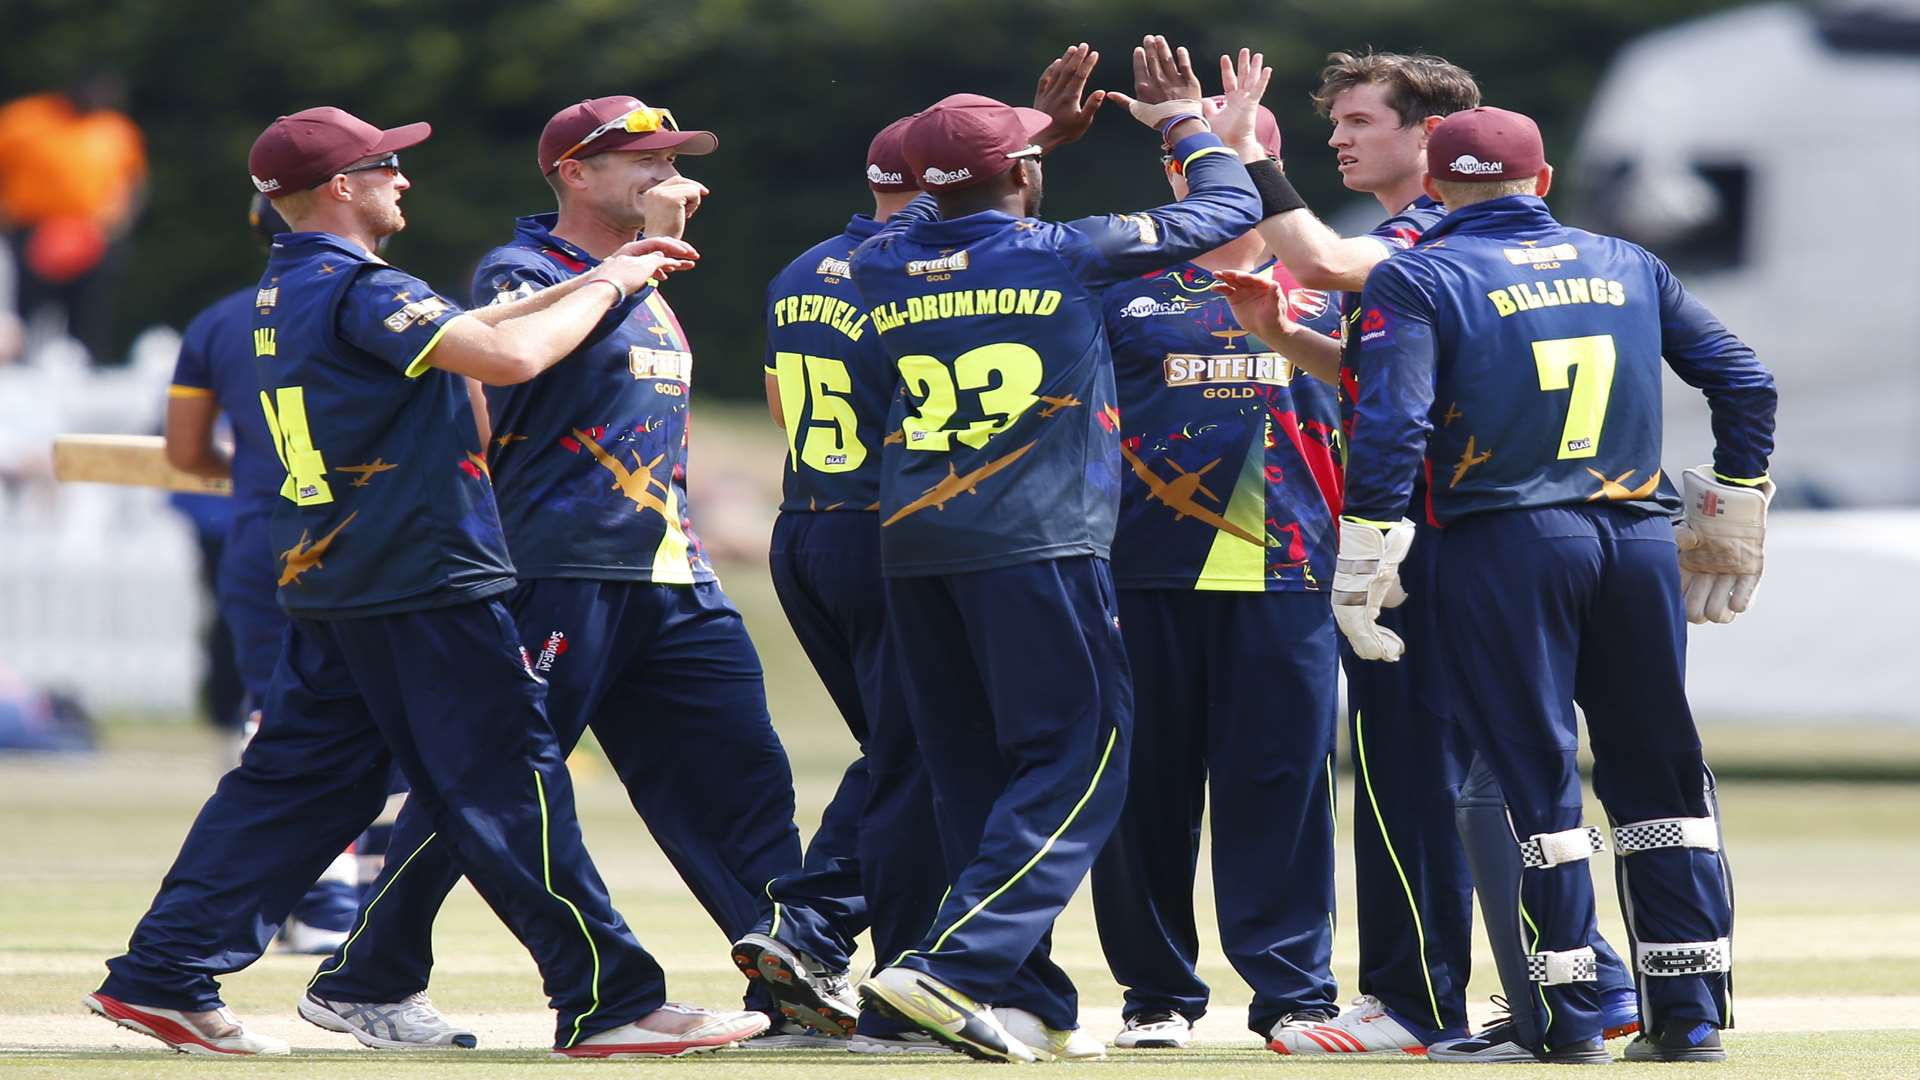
point(1397, 233)
point(216, 360)
point(1009, 434)
point(1230, 480)
point(835, 380)
point(385, 506)
point(590, 457)
point(1531, 354)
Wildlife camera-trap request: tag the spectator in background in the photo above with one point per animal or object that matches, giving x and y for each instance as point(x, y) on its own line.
point(73, 173)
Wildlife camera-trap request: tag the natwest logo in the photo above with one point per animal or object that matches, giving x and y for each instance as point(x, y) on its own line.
point(939, 176)
point(556, 644)
point(1468, 165)
point(877, 175)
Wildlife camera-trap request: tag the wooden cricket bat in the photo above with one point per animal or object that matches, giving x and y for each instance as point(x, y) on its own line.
point(136, 460)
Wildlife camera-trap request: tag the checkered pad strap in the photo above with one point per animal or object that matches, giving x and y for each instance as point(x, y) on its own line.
point(1683, 957)
point(1559, 968)
point(1544, 850)
point(1688, 832)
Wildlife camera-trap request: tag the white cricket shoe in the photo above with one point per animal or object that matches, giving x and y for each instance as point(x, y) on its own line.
point(672, 1030)
point(1155, 1029)
point(804, 991)
point(1364, 1028)
point(298, 937)
point(788, 1035)
point(1049, 1044)
point(907, 1042)
point(411, 1023)
point(216, 1031)
point(944, 1012)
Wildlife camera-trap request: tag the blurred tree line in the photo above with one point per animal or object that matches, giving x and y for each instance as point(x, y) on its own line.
point(795, 90)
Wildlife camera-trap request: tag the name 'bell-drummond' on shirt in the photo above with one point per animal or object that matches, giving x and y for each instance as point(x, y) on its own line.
point(1231, 479)
point(1538, 375)
point(1008, 430)
point(590, 458)
point(386, 505)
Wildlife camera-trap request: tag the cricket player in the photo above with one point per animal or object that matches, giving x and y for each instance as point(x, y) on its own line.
point(1412, 884)
point(620, 610)
point(214, 378)
point(997, 513)
point(1223, 558)
point(398, 648)
point(1556, 572)
point(829, 385)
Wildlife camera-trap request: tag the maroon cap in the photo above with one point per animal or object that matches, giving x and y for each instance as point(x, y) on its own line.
point(297, 152)
point(1266, 127)
point(966, 139)
point(571, 125)
point(887, 168)
point(1485, 144)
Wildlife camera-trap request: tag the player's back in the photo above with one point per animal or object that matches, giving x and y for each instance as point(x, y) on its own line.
point(1547, 387)
point(1007, 450)
point(835, 380)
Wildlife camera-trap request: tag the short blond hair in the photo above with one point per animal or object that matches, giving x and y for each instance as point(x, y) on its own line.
point(1458, 193)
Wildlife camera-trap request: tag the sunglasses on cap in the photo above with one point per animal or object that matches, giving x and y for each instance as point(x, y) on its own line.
point(638, 120)
point(390, 161)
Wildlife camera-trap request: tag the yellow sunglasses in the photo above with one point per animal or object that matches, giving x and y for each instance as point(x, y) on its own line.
point(638, 120)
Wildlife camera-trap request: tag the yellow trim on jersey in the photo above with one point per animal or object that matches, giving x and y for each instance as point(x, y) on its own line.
point(420, 364)
point(1200, 153)
point(1092, 785)
point(546, 878)
point(176, 390)
point(670, 564)
point(1754, 482)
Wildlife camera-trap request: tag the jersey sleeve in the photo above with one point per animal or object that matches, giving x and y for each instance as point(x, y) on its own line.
point(395, 316)
point(1393, 360)
point(192, 372)
point(509, 274)
point(1739, 389)
point(1221, 205)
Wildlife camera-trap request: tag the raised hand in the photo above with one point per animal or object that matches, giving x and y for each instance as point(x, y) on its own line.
point(668, 204)
point(665, 245)
point(1258, 303)
point(634, 272)
point(1058, 94)
point(1243, 83)
point(1164, 81)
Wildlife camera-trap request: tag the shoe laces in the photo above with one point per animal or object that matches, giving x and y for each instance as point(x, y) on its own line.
point(418, 1007)
point(1150, 1018)
point(1501, 1019)
point(1306, 1016)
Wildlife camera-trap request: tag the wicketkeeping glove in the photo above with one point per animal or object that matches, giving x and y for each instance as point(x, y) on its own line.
point(1721, 544)
point(1366, 578)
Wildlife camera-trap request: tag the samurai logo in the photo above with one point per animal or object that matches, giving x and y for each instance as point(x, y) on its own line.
point(555, 645)
point(877, 175)
point(938, 176)
point(1468, 165)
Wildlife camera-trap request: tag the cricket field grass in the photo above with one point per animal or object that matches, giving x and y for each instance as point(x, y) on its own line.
point(1827, 941)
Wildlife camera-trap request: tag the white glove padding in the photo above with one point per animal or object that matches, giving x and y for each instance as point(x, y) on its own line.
point(1366, 578)
point(1159, 113)
point(1721, 544)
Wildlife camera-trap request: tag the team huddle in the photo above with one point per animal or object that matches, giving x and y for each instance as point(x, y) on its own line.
point(1080, 522)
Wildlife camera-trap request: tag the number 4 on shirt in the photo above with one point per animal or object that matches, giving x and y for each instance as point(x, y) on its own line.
point(287, 423)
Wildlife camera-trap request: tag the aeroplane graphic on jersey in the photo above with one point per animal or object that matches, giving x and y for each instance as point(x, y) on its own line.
point(305, 556)
point(1468, 459)
point(1177, 494)
point(367, 471)
point(637, 486)
point(1616, 488)
point(1055, 404)
point(953, 485)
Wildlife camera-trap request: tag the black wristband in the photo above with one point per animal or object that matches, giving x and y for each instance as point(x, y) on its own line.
point(1276, 191)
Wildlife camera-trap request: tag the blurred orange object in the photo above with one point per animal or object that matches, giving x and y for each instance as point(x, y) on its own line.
point(65, 248)
point(56, 161)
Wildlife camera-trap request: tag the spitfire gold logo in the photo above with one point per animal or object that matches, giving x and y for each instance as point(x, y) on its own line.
point(1192, 369)
point(947, 264)
point(265, 299)
point(1535, 256)
point(832, 267)
point(420, 312)
point(672, 364)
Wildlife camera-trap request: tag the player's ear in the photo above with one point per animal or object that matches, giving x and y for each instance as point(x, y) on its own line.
point(1543, 182)
point(1432, 189)
point(1428, 125)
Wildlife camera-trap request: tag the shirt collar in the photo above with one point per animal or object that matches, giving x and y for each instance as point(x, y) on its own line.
point(536, 231)
point(862, 226)
point(299, 245)
point(1507, 215)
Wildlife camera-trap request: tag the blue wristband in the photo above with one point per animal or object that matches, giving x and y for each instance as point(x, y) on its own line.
point(1170, 124)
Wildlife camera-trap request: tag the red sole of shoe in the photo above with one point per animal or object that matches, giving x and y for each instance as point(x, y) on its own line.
point(167, 1031)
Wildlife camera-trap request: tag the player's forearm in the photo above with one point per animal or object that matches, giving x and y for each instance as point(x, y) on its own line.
point(520, 347)
point(208, 460)
point(189, 435)
point(1316, 354)
point(773, 402)
point(497, 313)
point(1315, 255)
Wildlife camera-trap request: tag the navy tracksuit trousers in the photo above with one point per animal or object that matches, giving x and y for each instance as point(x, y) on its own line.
point(1235, 700)
point(446, 694)
point(1544, 608)
point(1016, 681)
point(672, 687)
point(872, 838)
